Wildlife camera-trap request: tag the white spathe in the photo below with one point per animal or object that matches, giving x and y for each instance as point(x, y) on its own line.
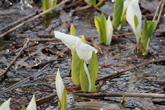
point(32, 104)
point(84, 51)
point(88, 75)
point(5, 105)
point(109, 30)
point(59, 86)
point(126, 3)
point(134, 9)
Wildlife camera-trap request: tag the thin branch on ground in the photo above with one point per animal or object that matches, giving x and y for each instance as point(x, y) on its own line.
point(19, 53)
point(115, 94)
point(160, 13)
point(122, 72)
point(31, 19)
point(157, 10)
point(32, 76)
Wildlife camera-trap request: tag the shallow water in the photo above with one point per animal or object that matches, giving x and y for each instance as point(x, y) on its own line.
point(145, 79)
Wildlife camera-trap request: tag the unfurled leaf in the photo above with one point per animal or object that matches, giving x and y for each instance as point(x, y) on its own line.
point(93, 70)
point(99, 29)
point(72, 30)
point(123, 100)
point(64, 99)
point(151, 26)
point(148, 29)
point(5, 105)
point(118, 9)
point(103, 26)
point(85, 79)
point(75, 68)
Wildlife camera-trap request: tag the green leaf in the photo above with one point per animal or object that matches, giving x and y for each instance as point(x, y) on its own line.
point(72, 30)
point(64, 99)
point(46, 4)
point(23, 107)
point(83, 77)
point(54, 2)
point(123, 100)
point(136, 21)
point(93, 69)
point(144, 38)
point(103, 27)
point(151, 26)
point(123, 19)
point(99, 28)
point(148, 29)
point(118, 9)
point(93, 2)
point(75, 68)
point(59, 103)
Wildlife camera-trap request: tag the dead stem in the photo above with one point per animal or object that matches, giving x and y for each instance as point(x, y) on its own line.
point(122, 72)
point(19, 53)
point(32, 76)
point(114, 94)
point(31, 19)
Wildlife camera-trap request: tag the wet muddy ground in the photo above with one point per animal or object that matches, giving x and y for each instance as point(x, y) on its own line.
point(121, 55)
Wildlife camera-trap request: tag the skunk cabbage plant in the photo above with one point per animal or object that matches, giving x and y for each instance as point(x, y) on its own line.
point(134, 16)
point(31, 106)
point(61, 92)
point(104, 28)
point(81, 54)
point(146, 36)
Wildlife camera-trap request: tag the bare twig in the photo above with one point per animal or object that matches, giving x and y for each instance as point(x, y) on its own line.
point(95, 45)
point(44, 99)
point(160, 13)
point(115, 94)
point(76, 3)
point(31, 19)
point(157, 10)
point(18, 21)
point(15, 58)
point(122, 72)
point(24, 80)
point(32, 76)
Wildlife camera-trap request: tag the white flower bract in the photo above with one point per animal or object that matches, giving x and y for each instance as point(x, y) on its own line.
point(84, 51)
point(5, 105)
point(134, 9)
point(59, 86)
point(32, 104)
point(109, 31)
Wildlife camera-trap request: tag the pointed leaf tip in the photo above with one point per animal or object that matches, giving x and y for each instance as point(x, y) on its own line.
point(5, 105)
point(83, 39)
point(32, 104)
point(59, 86)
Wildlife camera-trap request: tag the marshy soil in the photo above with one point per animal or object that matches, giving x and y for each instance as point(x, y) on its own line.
point(43, 49)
